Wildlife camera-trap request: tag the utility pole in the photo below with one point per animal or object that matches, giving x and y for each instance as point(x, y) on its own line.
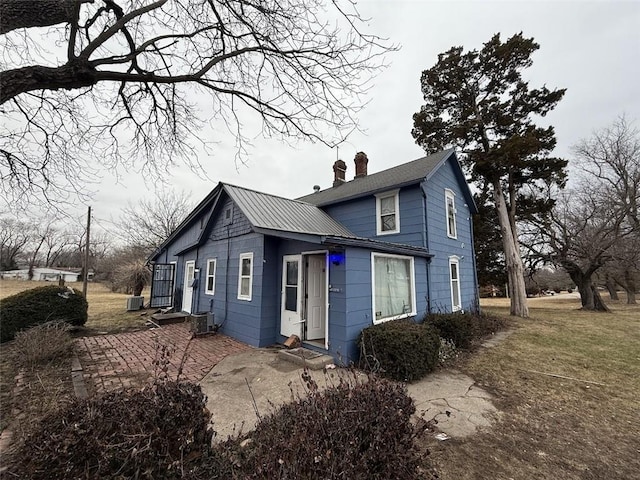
point(86, 255)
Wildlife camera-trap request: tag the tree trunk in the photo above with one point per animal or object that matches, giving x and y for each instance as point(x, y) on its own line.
point(589, 295)
point(611, 287)
point(41, 13)
point(630, 287)
point(598, 304)
point(513, 260)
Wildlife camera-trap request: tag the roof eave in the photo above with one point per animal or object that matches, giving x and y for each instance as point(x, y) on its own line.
point(386, 247)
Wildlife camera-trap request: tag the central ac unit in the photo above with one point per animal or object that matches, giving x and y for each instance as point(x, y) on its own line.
point(202, 323)
point(135, 303)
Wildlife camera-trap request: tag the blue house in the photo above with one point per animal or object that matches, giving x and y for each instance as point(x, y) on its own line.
point(380, 247)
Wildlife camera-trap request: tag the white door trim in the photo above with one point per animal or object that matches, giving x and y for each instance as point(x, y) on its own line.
point(187, 289)
point(315, 297)
point(291, 322)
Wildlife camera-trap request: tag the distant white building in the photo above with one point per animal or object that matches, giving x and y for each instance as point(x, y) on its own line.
point(42, 275)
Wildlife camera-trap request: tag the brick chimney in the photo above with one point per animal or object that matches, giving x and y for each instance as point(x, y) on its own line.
point(361, 164)
point(339, 169)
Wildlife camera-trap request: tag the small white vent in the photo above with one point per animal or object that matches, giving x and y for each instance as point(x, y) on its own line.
point(135, 303)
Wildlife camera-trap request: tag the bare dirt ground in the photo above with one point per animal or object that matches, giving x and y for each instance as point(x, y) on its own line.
point(566, 383)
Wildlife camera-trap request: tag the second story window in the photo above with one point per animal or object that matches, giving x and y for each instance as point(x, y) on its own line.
point(387, 213)
point(450, 201)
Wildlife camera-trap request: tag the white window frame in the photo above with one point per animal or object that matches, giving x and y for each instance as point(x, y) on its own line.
point(211, 273)
point(449, 194)
point(412, 278)
point(243, 256)
point(379, 198)
point(454, 260)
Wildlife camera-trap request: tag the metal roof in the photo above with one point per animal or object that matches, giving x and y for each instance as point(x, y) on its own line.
point(277, 213)
point(402, 175)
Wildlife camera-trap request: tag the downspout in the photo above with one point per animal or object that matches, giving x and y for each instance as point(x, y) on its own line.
point(473, 262)
point(226, 281)
point(196, 287)
point(425, 243)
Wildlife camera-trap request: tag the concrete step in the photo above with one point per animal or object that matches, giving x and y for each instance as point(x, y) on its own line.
point(306, 358)
point(169, 318)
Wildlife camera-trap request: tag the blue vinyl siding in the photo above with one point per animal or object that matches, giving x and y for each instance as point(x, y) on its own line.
point(423, 220)
point(221, 229)
point(359, 216)
point(351, 309)
point(442, 247)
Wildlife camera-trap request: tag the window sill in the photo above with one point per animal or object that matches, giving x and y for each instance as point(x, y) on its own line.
point(397, 317)
point(388, 232)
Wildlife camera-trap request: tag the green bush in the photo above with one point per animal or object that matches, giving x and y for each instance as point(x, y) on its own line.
point(160, 432)
point(40, 305)
point(456, 327)
point(358, 429)
point(399, 349)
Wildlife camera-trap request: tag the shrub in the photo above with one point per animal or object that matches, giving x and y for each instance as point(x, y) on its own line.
point(483, 325)
point(40, 305)
point(456, 327)
point(131, 277)
point(159, 432)
point(358, 429)
point(399, 349)
point(43, 343)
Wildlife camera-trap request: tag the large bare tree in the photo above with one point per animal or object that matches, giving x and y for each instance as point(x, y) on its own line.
point(595, 229)
point(14, 237)
point(130, 83)
point(144, 226)
point(610, 161)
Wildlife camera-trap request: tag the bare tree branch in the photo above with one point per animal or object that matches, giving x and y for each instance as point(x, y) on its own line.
point(125, 88)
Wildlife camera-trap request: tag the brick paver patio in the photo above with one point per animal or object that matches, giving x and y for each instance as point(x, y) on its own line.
point(115, 361)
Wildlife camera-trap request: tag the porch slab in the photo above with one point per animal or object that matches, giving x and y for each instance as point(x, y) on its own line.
point(306, 358)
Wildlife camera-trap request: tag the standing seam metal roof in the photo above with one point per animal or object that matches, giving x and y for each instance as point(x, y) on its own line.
point(405, 174)
point(277, 213)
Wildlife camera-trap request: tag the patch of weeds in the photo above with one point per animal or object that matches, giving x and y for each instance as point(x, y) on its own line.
point(42, 344)
point(448, 352)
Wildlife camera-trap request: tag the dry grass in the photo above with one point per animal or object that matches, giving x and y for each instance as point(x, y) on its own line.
point(552, 427)
point(107, 310)
point(36, 378)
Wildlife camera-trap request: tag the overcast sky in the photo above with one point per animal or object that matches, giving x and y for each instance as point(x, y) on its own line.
point(590, 48)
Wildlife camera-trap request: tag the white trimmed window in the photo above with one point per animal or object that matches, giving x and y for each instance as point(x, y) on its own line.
point(450, 202)
point(388, 212)
point(211, 277)
point(245, 276)
point(454, 278)
point(393, 287)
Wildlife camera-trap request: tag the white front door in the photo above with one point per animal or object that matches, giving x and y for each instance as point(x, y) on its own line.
point(187, 289)
point(291, 311)
point(316, 295)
